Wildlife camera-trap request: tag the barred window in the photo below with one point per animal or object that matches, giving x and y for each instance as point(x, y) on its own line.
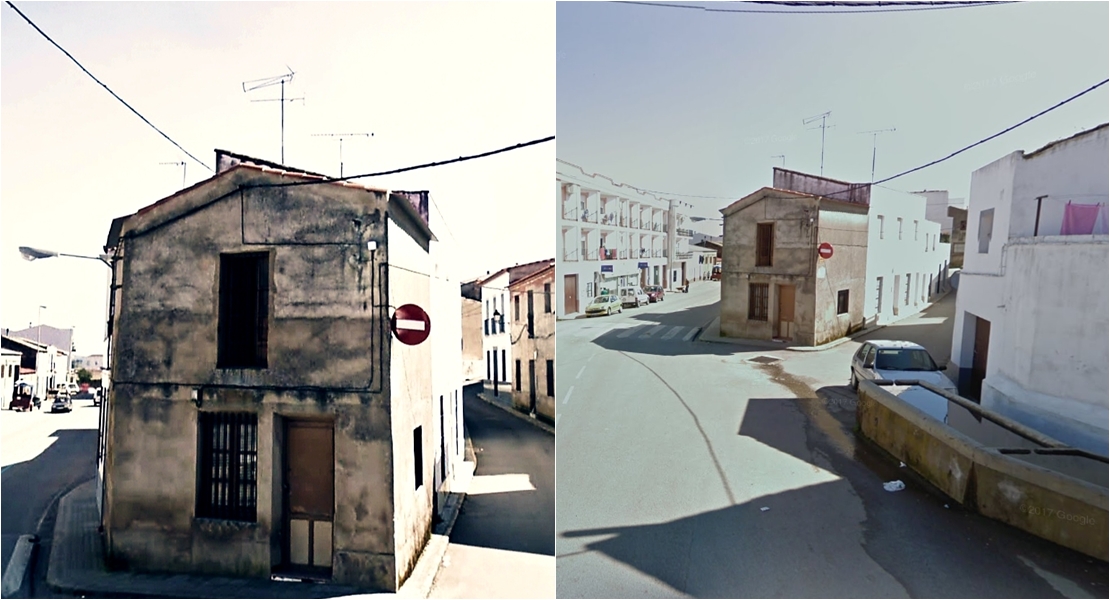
point(757, 301)
point(228, 486)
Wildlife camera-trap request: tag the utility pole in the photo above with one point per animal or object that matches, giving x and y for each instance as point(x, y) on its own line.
point(183, 166)
point(255, 84)
point(822, 127)
point(341, 136)
point(783, 157)
point(40, 324)
point(874, 144)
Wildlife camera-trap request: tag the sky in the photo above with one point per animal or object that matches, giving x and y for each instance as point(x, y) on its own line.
point(431, 81)
point(702, 103)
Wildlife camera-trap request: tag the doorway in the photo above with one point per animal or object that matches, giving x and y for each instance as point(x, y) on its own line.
point(309, 497)
point(979, 357)
point(897, 284)
point(531, 386)
point(570, 294)
point(785, 315)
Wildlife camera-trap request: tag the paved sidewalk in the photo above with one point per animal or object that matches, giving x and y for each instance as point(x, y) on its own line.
point(505, 401)
point(77, 566)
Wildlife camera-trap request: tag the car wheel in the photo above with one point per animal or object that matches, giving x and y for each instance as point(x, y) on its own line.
point(855, 382)
point(608, 311)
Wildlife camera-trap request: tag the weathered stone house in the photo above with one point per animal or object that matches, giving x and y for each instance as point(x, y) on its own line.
point(774, 285)
point(533, 339)
point(263, 419)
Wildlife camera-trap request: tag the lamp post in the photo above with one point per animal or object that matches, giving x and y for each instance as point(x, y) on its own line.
point(37, 253)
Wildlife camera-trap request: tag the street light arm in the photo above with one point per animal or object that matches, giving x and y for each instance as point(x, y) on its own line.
point(36, 253)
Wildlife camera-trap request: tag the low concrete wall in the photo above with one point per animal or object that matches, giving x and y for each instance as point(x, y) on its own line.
point(1054, 506)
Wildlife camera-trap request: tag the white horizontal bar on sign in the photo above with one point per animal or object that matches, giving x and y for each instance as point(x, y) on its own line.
point(410, 324)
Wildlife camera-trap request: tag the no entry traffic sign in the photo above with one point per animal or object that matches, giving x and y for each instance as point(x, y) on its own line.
point(825, 250)
point(410, 324)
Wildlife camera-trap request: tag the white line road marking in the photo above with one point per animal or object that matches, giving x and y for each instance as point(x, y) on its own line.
point(653, 331)
point(410, 324)
point(557, 419)
point(580, 371)
point(690, 336)
point(569, 392)
point(673, 332)
point(629, 331)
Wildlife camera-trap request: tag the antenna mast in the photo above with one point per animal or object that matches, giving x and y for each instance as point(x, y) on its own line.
point(822, 127)
point(255, 84)
point(341, 136)
point(874, 144)
point(184, 167)
point(783, 157)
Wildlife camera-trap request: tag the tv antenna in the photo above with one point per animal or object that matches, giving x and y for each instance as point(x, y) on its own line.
point(783, 157)
point(281, 80)
point(183, 166)
point(822, 127)
point(341, 136)
point(874, 144)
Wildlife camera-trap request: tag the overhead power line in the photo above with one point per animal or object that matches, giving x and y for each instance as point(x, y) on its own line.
point(879, 7)
point(116, 96)
point(407, 169)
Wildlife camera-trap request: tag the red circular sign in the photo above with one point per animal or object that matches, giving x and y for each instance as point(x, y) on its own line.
point(410, 324)
point(825, 250)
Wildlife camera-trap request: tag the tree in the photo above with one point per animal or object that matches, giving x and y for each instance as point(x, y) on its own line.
point(84, 376)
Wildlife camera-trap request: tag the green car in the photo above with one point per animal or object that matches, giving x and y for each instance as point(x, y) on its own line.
point(604, 305)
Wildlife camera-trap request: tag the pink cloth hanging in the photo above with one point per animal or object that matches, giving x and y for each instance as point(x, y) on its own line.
point(1079, 219)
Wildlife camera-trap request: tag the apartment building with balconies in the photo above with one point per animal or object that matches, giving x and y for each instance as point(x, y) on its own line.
point(611, 235)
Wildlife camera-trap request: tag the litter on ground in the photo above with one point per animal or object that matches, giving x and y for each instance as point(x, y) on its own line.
point(894, 486)
point(765, 509)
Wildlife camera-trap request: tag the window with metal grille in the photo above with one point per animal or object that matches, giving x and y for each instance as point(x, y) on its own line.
point(546, 298)
point(551, 378)
point(764, 244)
point(842, 302)
point(244, 310)
point(531, 316)
point(757, 301)
point(418, 455)
point(228, 486)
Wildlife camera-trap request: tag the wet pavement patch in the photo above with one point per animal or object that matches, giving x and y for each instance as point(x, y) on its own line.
point(764, 359)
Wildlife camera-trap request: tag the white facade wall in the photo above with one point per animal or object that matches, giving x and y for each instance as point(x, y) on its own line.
point(447, 357)
point(916, 251)
point(9, 374)
point(936, 207)
point(1045, 296)
point(497, 340)
point(594, 213)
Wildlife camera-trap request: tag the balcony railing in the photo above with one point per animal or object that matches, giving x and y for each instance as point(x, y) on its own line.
point(589, 255)
point(608, 254)
point(570, 255)
point(683, 255)
point(645, 253)
point(684, 232)
point(610, 219)
point(589, 216)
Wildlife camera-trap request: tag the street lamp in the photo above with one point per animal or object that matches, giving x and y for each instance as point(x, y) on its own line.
point(36, 253)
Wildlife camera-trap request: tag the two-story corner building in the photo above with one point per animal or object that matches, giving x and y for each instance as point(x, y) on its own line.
point(496, 328)
point(610, 235)
point(907, 263)
point(263, 418)
point(473, 359)
point(533, 338)
point(776, 283)
point(1030, 332)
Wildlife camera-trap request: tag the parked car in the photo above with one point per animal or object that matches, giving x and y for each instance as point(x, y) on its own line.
point(716, 274)
point(655, 293)
point(62, 402)
point(24, 398)
point(634, 296)
point(72, 388)
point(604, 305)
point(889, 359)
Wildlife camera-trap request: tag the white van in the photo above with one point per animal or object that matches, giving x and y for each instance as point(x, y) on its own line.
point(634, 296)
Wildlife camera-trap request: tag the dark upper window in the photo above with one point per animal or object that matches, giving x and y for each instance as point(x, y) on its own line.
point(764, 244)
point(531, 316)
point(551, 378)
point(244, 319)
point(228, 465)
point(546, 298)
point(516, 307)
point(418, 455)
point(842, 302)
point(986, 229)
point(757, 301)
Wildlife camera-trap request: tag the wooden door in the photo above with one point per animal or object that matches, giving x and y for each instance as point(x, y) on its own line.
point(309, 486)
point(785, 320)
point(570, 293)
point(979, 356)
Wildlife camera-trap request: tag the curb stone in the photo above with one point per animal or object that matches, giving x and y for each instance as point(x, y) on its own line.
point(15, 574)
point(536, 422)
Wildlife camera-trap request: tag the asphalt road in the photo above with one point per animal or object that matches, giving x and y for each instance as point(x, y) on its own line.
point(42, 456)
point(685, 469)
point(503, 542)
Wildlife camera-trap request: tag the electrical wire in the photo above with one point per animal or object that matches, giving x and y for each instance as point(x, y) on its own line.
point(891, 8)
point(116, 96)
point(406, 169)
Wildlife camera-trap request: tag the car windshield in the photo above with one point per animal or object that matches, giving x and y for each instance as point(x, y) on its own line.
point(904, 360)
point(601, 299)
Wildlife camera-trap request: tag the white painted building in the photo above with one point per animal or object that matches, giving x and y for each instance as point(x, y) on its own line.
point(9, 374)
point(937, 204)
point(1031, 326)
point(612, 235)
point(496, 328)
point(907, 264)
